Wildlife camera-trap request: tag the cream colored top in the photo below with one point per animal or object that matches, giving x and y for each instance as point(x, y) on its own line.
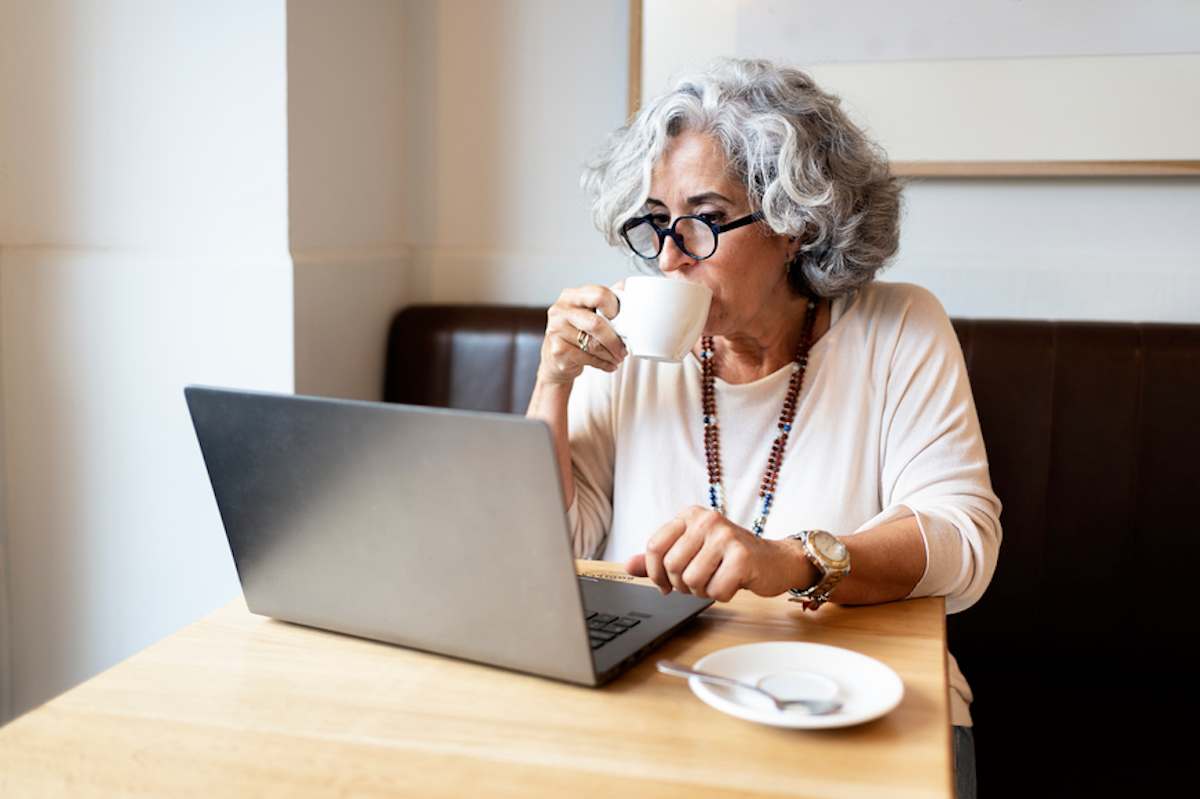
point(885, 423)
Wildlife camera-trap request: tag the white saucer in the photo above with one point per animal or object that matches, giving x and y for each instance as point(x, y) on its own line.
point(866, 688)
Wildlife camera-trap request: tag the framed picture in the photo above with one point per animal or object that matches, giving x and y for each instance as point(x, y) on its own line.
point(951, 89)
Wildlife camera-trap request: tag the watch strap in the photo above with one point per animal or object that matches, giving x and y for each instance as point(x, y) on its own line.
point(831, 574)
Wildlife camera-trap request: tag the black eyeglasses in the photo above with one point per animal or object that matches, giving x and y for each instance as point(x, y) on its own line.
point(695, 235)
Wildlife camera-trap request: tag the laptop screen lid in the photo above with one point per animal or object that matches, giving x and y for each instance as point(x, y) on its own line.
point(433, 529)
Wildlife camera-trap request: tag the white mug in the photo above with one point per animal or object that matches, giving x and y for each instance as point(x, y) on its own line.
point(661, 318)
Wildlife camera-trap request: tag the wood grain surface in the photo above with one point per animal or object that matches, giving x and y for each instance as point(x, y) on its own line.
point(238, 704)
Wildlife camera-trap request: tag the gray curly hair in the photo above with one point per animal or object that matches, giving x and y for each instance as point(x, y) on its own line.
point(805, 165)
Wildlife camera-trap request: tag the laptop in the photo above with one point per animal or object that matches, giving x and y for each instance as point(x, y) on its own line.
point(438, 530)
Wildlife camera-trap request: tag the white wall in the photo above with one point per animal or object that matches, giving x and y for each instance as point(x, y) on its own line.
point(435, 152)
point(143, 246)
point(348, 188)
point(1106, 249)
point(513, 98)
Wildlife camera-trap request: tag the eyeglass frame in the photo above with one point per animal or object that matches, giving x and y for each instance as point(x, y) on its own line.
point(675, 237)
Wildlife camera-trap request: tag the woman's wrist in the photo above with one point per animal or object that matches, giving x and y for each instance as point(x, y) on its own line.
point(545, 381)
point(798, 571)
point(548, 395)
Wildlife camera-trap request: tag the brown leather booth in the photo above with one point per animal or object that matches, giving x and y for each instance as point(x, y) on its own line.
point(1092, 433)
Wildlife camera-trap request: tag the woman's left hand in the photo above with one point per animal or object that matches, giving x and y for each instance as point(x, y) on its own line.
point(701, 552)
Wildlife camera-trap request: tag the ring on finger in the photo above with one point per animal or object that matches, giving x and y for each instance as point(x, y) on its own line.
point(583, 340)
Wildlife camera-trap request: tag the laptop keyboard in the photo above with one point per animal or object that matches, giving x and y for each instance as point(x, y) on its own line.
point(604, 627)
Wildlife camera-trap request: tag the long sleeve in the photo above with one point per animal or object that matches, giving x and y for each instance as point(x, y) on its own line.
point(933, 457)
point(592, 438)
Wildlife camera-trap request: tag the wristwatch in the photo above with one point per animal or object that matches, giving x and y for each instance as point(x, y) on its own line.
point(831, 558)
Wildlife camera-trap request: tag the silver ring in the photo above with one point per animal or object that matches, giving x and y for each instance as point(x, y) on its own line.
point(583, 340)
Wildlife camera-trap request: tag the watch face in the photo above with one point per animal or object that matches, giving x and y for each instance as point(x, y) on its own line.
point(828, 545)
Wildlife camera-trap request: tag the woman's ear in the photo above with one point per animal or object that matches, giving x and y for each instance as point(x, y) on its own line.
point(797, 243)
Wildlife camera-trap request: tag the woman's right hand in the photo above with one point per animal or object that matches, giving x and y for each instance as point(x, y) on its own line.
point(574, 313)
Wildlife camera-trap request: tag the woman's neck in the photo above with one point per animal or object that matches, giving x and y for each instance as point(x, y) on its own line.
point(750, 355)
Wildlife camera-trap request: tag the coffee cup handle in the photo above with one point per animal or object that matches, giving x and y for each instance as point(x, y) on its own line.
point(616, 322)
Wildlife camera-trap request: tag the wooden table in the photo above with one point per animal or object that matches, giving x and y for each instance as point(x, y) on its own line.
point(238, 704)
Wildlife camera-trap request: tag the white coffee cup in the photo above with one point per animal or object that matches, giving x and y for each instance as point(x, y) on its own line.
point(661, 318)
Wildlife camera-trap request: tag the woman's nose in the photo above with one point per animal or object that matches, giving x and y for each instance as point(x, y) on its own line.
point(672, 258)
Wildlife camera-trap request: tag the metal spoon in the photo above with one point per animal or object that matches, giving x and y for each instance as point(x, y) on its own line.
point(816, 707)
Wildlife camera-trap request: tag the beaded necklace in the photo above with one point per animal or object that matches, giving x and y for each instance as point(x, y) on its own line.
point(712, 429)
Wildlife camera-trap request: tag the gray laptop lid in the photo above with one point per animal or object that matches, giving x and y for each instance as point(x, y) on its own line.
point(432, 529)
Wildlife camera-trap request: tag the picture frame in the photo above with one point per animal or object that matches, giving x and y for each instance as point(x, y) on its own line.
point(1054, 109)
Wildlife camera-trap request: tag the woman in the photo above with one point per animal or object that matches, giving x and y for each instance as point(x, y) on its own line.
point(816, 399)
